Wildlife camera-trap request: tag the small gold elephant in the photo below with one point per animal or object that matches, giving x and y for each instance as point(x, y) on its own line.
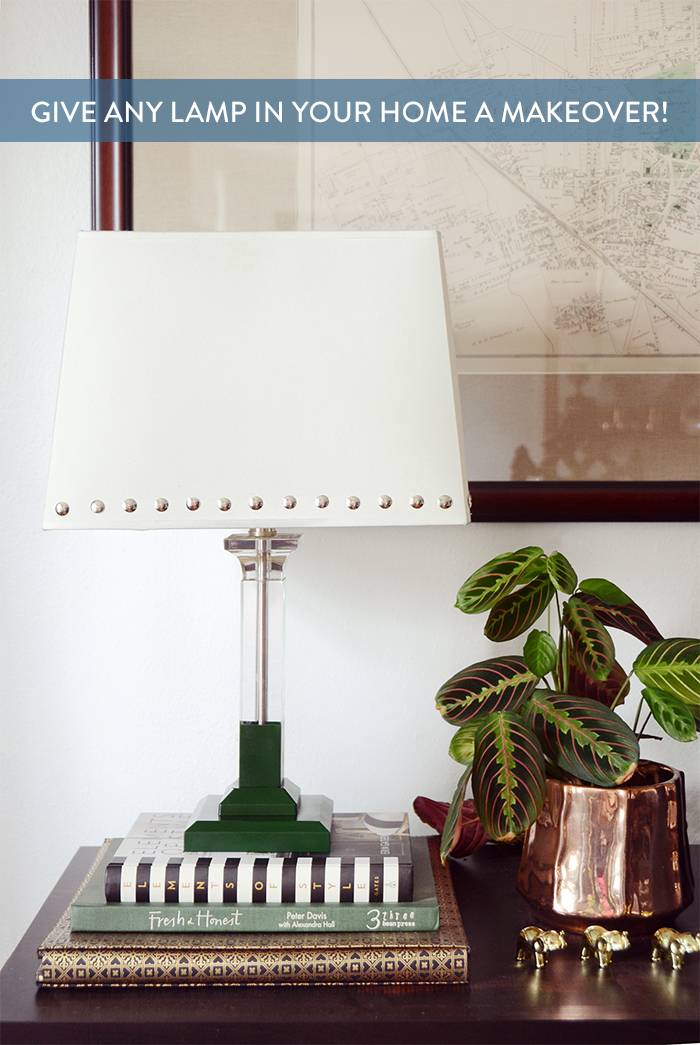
point(669, 943)
point(538, 942)
point(602, 943)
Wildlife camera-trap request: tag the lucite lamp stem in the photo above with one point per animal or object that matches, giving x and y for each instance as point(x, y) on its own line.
point(262, 560)
point(262, 555)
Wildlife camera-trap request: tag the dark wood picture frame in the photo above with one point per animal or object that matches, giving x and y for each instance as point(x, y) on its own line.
point(112, 209)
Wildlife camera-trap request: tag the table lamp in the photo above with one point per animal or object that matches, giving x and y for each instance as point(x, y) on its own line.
point(257, 381)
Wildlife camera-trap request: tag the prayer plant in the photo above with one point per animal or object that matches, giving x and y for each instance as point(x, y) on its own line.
point(551, 710)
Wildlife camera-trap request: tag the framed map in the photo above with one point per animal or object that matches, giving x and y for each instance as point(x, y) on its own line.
point(569, 257)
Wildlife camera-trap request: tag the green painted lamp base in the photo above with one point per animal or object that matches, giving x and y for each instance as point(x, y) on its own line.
point(309, 832)
point(277, 802)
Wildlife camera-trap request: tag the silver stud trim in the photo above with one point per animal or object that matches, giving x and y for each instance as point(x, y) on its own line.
point(161, 504)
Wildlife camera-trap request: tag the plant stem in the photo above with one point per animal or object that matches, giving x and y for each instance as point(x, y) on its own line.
point(618, 696)
point(641, 731)
point(559, 678)
point(636, 717)
point(649, 736)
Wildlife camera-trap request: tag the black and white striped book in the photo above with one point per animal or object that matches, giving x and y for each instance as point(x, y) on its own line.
point(370, 862)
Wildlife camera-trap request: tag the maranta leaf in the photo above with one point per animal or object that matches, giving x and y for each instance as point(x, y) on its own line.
point(604, 590)
point(561, 573)
point(672, 665)
point(540, 652)
point(509, 776)
point(462, 744)
point(673, 715)
point(492, 581)
point(630, 618)
point(499, 684)
point(603, 690)
point(591, 642)
point(583, 737)
point(515, 613)
point(469, 834)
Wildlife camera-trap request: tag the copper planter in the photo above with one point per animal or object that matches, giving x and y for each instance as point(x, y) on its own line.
point(614, 855)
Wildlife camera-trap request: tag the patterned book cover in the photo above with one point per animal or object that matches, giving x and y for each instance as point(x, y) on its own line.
point(69, 959)
point(370, 862)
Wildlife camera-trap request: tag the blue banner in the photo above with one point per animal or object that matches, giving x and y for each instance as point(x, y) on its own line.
point(349, 110)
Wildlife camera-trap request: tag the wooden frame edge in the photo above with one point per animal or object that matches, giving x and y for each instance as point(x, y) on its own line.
point(112, 168)
point(585, 501)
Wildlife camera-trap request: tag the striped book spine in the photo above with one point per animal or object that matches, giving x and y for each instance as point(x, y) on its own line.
point(251, 879)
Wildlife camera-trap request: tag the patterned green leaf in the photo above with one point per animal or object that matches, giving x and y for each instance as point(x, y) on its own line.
point(591, 642)
point(500, 684)
point(583, 737)
point(462, 744)
point(540, 652)
point(509, 776)
point(603, 690)
point(491, 582)
point(453, 822)
point(515, 613)
point(537, 567)
point(630, 618)
point(672, 665)
point(674, 716)
point(561, 573)
point(604, 590)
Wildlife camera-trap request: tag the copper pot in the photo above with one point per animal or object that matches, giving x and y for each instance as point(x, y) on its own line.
point(614, 855)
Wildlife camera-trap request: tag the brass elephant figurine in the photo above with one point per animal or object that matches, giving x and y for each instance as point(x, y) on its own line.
point(603, 943)
point(538, 942)
point(669, 943)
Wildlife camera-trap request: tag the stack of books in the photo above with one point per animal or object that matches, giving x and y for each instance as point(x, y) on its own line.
point(378, 908)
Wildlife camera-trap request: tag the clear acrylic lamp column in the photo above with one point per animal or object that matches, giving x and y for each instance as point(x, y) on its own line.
point(257, 381)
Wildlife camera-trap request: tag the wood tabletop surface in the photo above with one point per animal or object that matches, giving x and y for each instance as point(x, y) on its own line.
point(632, 1001)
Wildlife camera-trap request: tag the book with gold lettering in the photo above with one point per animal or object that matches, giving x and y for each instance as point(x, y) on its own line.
point(91, 959)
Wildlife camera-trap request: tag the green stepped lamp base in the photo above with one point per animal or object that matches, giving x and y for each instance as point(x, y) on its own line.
point(280, 802)
point(261, 812)
point(308, 832)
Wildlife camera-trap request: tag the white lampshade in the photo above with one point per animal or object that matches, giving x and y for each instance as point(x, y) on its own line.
point(305, 373)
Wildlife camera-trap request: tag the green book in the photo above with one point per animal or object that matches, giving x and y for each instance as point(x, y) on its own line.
point(91, 913)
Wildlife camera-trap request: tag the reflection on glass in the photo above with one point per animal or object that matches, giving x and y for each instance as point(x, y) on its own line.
point(604, 427)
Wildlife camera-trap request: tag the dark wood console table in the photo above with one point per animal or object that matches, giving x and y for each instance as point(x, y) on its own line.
point(566, 1002)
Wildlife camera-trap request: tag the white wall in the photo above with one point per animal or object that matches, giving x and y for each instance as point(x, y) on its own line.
point(118, 651)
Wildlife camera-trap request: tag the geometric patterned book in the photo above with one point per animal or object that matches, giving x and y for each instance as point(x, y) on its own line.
point(74, 959)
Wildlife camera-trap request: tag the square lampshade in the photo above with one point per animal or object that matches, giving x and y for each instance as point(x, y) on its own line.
point(256, 380)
